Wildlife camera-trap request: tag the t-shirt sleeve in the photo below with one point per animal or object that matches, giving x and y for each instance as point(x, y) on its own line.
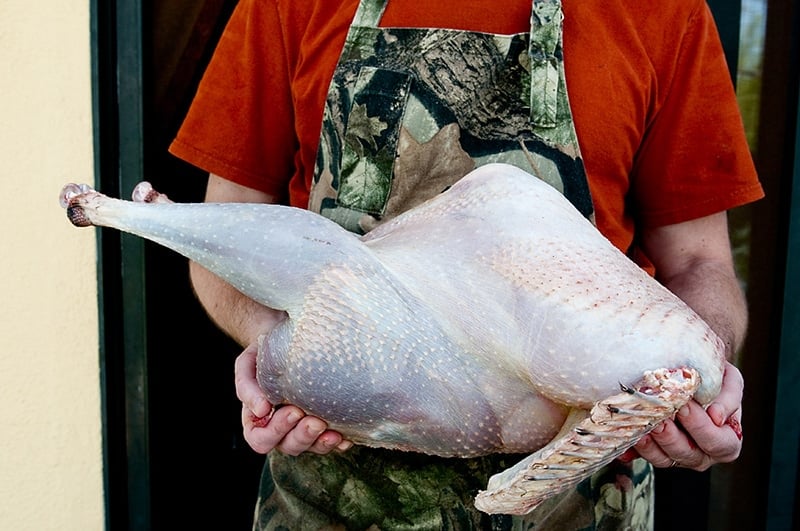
point(240, 123)
point(694, 160)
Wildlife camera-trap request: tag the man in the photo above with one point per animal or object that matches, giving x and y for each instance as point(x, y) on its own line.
point(631, 114)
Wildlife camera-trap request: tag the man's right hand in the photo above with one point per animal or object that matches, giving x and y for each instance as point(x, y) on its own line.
point(285, 428)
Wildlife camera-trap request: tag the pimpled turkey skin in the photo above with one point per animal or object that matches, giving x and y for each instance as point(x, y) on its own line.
point(468, 325)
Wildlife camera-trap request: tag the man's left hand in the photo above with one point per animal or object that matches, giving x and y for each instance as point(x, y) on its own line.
point(699, 438)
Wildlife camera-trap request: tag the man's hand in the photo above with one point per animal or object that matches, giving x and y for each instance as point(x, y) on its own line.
point(693, 259)
point(700, 438)
point(287, 429)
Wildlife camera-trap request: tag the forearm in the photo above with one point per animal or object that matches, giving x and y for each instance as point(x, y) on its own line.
point(239, 316)
point(712, 290)
point(694, 260)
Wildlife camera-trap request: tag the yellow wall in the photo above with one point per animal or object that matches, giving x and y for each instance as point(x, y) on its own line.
point(50, 447)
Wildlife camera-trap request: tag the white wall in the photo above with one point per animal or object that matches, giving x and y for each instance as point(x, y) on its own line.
point(50, 447)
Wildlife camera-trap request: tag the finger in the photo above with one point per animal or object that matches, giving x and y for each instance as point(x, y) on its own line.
point(303, 435)
point(308, 434)
point(328, 441)
point(679, 449)
point(722, 444)
point(629, 455)
point(695, 441)
point(727, 404)
point(264, 437)
point(724, 413)
point(247, 389)
point(668, 446)
point(252, 429)
point(648, 449)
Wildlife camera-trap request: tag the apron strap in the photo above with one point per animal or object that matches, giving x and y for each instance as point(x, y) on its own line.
point(544, 47)
point(369, 13)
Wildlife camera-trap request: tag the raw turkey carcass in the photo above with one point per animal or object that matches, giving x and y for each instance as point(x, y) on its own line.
point(492, 318)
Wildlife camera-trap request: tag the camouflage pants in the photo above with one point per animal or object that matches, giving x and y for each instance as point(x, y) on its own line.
point(367, 489)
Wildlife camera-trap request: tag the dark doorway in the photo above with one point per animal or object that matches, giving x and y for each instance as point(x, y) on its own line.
point(174, 450)
point(196, 446)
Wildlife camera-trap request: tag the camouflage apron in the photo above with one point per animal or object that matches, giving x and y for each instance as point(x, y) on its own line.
point(408, 113)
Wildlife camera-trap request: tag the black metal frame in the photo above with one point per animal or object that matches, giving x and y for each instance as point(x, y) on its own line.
point(783, 506)
point(783, 493)
point(118, 108)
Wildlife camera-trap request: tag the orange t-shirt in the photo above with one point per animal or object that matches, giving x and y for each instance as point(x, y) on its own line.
point(654, 107)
